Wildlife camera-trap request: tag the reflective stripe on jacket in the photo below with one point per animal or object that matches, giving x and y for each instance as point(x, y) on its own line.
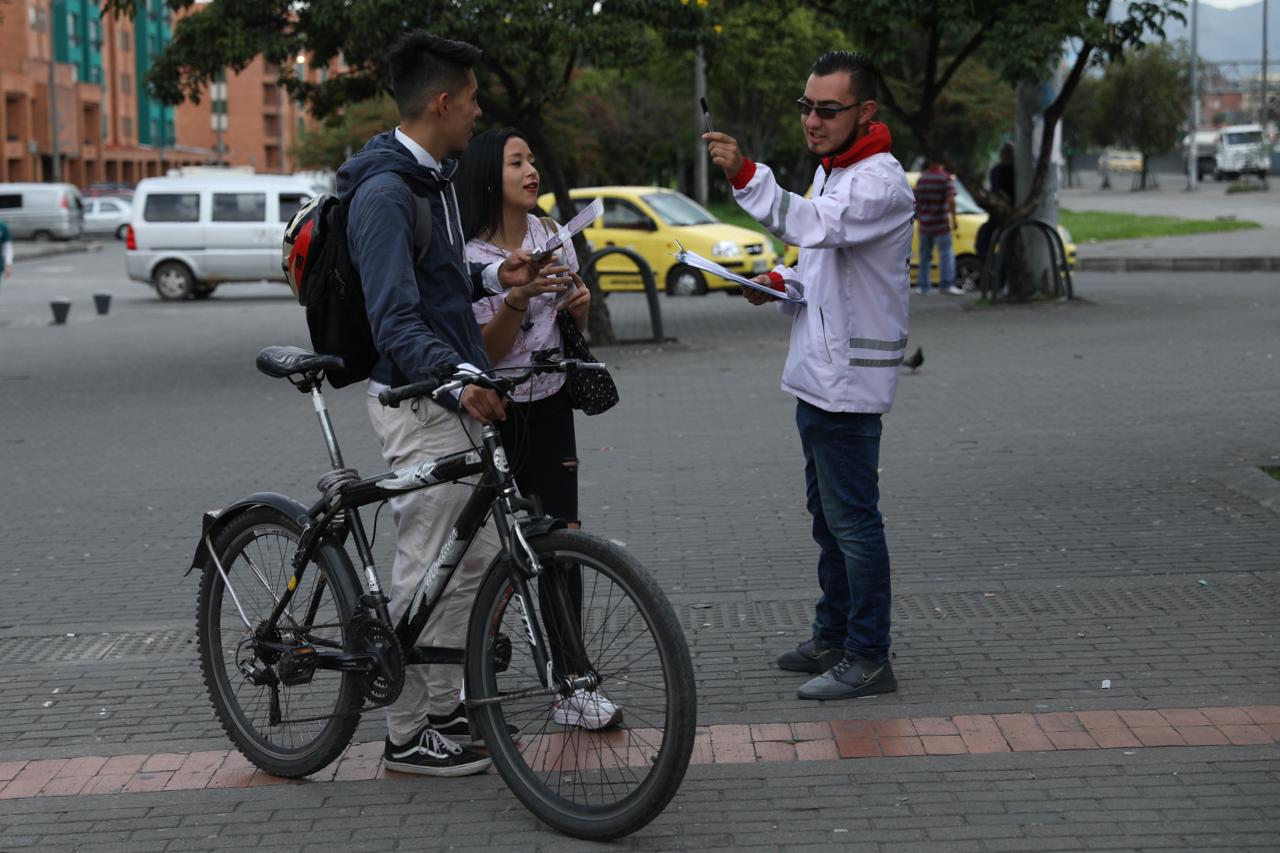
point(855, 251)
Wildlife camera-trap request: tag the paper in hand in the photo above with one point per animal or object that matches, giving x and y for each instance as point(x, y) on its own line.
point(567, 231)
point(696, 261)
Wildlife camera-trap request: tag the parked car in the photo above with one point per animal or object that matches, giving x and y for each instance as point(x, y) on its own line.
point(105, 215)
point(1119, 160)
point(1241, 150)
point(651, 220)
point(969, 217)
point(187, 235)
point(42, 211)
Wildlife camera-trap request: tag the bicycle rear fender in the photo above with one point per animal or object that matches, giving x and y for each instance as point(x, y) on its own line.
point(212, 522)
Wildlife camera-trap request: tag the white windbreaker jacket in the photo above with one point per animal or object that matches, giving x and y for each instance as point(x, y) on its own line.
point(855, 251)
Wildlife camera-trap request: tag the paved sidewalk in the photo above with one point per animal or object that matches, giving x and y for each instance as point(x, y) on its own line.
point(1085, 571)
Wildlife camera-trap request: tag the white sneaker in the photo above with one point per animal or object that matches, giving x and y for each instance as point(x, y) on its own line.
point(589, 710)
point(954, 291)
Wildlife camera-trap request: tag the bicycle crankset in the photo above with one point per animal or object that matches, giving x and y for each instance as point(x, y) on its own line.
point(382, 685)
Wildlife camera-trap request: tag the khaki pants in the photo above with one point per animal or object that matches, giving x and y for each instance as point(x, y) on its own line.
point(423, 520)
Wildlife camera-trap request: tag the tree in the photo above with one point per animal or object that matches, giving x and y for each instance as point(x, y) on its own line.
point(532, 48)
point(920, 46)
point(326, 145)
point(1142, 101)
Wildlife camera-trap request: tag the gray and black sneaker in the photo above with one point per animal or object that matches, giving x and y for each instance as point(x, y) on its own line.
point(430, 753)
point(850, 678)
point(812, 655)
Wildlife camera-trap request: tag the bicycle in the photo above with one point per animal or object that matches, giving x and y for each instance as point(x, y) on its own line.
point(295, 644)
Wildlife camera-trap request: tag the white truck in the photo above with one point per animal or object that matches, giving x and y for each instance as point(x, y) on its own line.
point(1241, 149)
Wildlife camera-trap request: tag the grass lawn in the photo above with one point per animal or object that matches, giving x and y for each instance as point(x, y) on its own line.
point(1089, 225)
point(1274, 472)
point(731, 214)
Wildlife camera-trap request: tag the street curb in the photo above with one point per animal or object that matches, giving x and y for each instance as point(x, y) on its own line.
point(1237, 264)
point(1254, 483)
point(55, 249)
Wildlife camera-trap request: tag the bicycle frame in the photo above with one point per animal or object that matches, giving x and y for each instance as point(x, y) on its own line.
point(495, 493)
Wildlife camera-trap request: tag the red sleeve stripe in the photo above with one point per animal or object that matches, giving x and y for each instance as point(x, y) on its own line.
point(745, 174)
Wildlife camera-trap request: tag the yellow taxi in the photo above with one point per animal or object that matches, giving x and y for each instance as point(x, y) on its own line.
point(969, 218)
point(651, 220)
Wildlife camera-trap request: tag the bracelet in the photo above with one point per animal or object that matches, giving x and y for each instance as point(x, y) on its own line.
point(512, 307)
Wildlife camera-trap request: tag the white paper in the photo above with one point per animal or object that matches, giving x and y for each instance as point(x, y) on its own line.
point(567, 231)
point(696, 261)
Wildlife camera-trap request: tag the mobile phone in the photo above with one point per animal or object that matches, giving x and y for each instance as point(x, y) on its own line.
point(706, 115)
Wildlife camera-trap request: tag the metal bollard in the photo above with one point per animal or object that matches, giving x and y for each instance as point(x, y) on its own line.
point(102, 301)
point(61, 308)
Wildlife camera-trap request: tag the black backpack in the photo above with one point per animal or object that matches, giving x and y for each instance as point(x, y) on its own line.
point(317, 263)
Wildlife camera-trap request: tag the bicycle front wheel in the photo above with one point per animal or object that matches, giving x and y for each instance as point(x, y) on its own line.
point(288, 722)
point(597, 761)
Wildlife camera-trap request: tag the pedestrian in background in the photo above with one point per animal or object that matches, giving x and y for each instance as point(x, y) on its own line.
point(936, 215)
point(6, 251)
point(847, 341)
point(1001, 183)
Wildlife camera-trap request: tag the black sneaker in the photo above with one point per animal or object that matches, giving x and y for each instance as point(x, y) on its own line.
point(811, 656)
point(850, 678)
point(455, 726)
point(432, 754)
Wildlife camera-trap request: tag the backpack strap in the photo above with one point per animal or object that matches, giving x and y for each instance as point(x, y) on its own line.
point(421, 228)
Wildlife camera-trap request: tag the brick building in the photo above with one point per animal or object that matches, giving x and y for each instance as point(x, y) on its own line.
point(109, 128)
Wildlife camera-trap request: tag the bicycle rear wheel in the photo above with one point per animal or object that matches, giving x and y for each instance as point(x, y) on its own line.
point(596, 784)
point(256, 550)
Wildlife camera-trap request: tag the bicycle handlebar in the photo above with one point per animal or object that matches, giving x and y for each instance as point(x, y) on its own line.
point(434, 387)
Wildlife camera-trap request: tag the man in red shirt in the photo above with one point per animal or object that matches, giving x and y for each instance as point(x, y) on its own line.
point(936, 213)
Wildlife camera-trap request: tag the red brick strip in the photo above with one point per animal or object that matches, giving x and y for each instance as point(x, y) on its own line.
point(969, 734)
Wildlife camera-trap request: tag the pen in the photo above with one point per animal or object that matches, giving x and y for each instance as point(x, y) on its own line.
point(706, 115)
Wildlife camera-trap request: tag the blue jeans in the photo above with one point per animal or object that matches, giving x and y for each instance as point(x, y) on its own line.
point(841, 456)
point(946, 261)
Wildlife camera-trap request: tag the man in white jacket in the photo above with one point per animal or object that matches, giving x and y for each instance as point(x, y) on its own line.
point(847, 340)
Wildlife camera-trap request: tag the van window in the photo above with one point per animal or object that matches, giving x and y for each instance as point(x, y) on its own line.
point(1246, 137)
point(172, 207)
point(239, 207)
point(289, 205)
point(11, 201)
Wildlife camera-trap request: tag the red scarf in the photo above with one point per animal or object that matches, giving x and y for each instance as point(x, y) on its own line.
point(876, 140)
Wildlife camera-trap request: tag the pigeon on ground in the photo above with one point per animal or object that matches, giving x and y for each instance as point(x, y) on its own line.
point(915, 360)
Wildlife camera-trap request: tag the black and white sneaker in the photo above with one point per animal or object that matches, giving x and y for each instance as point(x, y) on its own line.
point(455, 726)
point(432, 754)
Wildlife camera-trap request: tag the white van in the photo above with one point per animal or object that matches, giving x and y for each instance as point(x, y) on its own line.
point(1241, 150)
point(190, 234)
point(42, 211)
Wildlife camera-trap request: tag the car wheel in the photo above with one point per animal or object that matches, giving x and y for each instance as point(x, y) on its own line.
point(42, 236)
point(202, 290)
point(122, 231)
point(684, 280)
point(968, 272)
point(173, 281)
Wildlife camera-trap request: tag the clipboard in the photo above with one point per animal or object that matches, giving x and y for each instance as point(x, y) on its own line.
point(696, 261)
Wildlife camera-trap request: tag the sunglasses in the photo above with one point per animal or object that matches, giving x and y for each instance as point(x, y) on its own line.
point(807, 106)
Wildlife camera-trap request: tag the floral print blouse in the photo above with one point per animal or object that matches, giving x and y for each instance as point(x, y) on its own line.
point(540, 318)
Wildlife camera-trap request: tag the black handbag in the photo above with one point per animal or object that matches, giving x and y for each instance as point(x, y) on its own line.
point(592, 391)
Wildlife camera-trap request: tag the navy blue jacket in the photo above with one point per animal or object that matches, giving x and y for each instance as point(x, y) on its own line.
point(419, 310)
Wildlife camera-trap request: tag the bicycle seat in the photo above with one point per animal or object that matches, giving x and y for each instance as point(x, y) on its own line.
point(283, 362)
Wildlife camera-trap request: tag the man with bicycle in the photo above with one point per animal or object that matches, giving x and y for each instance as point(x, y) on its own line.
point(419, 306)
point(847, 340)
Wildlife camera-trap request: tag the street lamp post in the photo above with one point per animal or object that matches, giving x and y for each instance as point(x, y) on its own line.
point(1193, 152)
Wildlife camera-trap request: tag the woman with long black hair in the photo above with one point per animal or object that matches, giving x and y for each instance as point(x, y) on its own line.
point(497, 186)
